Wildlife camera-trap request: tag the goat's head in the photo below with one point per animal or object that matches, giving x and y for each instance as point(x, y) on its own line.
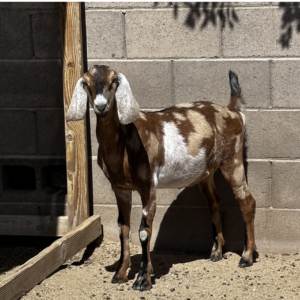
point(102, 86)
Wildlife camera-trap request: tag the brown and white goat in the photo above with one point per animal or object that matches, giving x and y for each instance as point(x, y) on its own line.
point(173, 148)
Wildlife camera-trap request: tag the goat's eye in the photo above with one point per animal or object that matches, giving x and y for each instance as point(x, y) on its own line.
point(115, 81)
point(85, 85)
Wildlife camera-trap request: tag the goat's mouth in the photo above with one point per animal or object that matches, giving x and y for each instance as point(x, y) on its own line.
point(101, 113)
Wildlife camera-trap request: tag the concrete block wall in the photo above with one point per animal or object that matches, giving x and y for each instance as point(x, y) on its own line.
point(31, 110)
point(180, 53)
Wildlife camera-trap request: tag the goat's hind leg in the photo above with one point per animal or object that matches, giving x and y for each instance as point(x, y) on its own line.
point(124, 201)
point(143, 281)
point(213, 200)
point(234, 173)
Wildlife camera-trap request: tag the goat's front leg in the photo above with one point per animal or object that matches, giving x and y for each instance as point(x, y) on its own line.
point(143, 281)
point(124, 201)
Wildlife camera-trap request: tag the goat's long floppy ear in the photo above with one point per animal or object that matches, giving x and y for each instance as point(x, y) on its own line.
point(128, 108)
point(77, 108)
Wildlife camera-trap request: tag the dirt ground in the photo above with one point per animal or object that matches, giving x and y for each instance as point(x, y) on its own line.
point(176, 276)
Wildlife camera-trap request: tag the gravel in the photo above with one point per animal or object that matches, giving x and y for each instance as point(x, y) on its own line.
point(176, 276)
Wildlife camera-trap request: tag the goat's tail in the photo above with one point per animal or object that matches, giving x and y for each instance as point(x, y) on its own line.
point(235, 103)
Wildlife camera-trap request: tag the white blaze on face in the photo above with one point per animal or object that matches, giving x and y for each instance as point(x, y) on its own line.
point(100, 102)
point(180, 168)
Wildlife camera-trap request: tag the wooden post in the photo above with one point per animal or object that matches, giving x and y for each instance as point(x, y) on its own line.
point(76, 141)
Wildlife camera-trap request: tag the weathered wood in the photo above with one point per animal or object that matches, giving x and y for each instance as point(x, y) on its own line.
point(33, 225)
point(76, 141)
point(39, 267)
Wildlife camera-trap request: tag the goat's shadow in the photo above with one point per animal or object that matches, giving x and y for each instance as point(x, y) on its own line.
point(185, 231)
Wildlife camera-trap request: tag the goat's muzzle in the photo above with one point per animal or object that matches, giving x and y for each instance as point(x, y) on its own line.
point(101, 111)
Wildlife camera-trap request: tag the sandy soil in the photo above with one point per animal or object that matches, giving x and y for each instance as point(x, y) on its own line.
point(176, 276)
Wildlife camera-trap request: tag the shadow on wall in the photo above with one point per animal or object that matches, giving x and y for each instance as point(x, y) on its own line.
point(186, 226)
point(206, 13)
point(290, 18)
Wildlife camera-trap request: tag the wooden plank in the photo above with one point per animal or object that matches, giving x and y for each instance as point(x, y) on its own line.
point(33, 225)
point(76, 141)
point(45, 263)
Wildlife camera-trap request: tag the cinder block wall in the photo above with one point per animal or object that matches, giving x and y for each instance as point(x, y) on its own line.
point(32, 143)
point(180, 54)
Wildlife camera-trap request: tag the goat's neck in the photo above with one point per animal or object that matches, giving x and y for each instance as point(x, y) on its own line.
point(109, 131)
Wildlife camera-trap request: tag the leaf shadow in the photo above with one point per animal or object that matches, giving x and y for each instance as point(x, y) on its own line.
point(290, 22)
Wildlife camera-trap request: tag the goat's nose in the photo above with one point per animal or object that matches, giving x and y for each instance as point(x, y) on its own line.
point(101, 106)
point(100, 102)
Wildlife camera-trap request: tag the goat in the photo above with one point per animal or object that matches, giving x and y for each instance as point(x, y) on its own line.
point(177, 147)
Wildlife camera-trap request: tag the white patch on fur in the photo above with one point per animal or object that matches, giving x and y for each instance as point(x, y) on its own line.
point(100, 102)
point(155, 177)
point(179, 116)
point(143, 235)
point(187, 105)
point(180, 168)
point(143, 116)
point(244, 118)
point(145, 213)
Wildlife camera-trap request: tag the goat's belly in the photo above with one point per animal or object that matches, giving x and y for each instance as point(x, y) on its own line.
point(180, 172)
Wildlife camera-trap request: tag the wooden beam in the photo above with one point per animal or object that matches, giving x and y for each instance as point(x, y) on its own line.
point(50, 259)
point(76, 141)
point(33, 225)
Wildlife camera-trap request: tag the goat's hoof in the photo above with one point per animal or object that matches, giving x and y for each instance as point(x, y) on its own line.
point(141, 283)
point(119, 279)
point(215, 256)
point(141, 286)
point(255, 255)
point(244, 264)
